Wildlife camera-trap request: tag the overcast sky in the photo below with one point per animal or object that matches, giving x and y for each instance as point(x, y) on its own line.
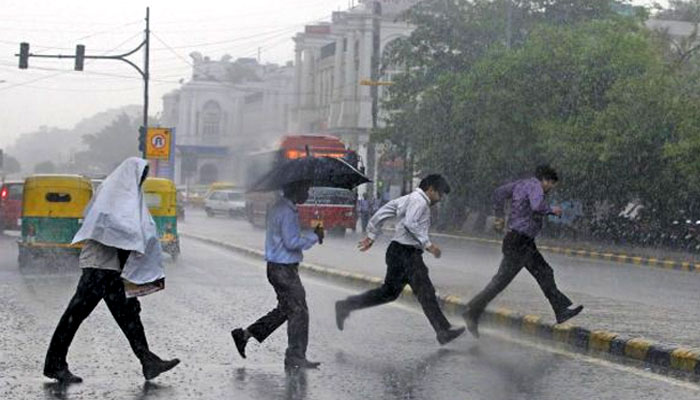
point(51, 93)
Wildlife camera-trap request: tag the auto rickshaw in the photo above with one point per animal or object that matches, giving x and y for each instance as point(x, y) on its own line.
point(52, 213)
point(161, 199)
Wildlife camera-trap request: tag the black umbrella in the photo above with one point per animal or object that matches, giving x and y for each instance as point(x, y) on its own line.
point(320, 171)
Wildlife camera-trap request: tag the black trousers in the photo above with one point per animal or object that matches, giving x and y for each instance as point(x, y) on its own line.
point(520, 251)
point(291, 308)
point(404, 266)
point(96, 285)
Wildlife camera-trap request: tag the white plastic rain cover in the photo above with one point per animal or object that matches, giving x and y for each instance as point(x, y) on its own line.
point(117, 216)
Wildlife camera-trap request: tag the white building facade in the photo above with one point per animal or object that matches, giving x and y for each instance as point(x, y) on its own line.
point(226, 109)
point(330, 61)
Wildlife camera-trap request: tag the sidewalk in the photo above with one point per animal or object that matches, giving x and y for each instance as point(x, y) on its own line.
point(653, 257)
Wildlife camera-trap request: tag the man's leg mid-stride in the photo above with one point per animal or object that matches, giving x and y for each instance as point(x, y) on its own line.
point(291, 308)
point(396, 278)
point(424, 291)
point(126, 311)
point(544, 275)
point(88, 294)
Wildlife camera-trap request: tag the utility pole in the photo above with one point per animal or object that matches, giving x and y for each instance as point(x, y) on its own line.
point(80, 57)
point(509, 23)
point(374, 89)
point(145, 74)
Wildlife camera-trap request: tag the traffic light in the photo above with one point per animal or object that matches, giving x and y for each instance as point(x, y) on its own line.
point(23, 55)
point(79, 57)
point(2, 159)
point(142, 139)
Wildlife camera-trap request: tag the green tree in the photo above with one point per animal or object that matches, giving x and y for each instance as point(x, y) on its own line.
point(11, 165)
point(109, 146)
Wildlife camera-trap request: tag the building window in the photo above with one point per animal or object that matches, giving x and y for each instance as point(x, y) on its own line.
point(211, 119)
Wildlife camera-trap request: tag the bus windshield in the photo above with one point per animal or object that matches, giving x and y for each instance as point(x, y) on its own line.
point(328, 195)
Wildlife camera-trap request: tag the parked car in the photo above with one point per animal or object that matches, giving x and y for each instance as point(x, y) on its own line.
point(10, 204)
point(195, 195)
point(229, 202)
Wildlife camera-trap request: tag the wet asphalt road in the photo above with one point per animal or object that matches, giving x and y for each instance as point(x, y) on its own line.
point(636, 301)
point(388, 352)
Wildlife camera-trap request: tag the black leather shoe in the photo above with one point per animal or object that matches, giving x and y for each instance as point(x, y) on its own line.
point(568, 313)
point(300, 363)
point(341, 314)
point(472, 323)
point(156, 366)
point(63, 376)
point(240, 340)
point(449, 335)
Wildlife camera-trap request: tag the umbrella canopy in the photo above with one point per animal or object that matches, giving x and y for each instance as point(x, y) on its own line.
point(320, 171)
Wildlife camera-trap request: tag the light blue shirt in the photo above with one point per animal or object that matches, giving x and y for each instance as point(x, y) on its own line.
point(284, 240)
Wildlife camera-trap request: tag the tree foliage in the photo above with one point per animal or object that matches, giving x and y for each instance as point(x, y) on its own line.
point(109, 146)
point(45, 167)
point(578, 86)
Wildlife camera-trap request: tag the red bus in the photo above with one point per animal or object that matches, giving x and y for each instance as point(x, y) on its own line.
point(334, 208)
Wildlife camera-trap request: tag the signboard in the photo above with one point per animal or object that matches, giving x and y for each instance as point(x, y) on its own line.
point(158, 143)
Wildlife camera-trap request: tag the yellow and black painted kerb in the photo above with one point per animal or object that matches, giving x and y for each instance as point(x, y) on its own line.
point(575, 337)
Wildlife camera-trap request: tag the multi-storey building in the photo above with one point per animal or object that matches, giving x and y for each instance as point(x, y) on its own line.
point(331, 59)
point(226, 108)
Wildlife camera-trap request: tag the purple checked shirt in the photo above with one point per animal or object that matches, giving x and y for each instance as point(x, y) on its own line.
point(528, 205)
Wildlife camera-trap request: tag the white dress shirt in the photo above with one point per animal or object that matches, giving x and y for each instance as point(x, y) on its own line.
point(413, 213)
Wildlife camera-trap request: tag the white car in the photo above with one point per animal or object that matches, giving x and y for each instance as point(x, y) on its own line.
point(229, 202)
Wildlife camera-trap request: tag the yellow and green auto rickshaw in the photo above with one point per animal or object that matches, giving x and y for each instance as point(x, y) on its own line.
point(161, 199)
point(52, 212)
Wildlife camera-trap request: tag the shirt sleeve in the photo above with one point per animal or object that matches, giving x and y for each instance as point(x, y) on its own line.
point(538, 201)
point(416, 221)
point(499, 198)
point(374, 226)
point(292, 236)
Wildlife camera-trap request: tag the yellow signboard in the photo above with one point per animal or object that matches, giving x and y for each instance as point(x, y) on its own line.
point(158, 143)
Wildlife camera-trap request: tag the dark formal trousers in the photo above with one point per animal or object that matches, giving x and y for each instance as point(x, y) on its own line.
point(291, 308)
point(404, 266)
point(520, 251)
point(95, 285)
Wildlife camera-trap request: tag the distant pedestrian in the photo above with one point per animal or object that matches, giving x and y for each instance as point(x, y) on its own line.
point(119, 244)
point(527, 209)
point(404, 257)
point(284, 244)
point(364, 209)
point(377, 203)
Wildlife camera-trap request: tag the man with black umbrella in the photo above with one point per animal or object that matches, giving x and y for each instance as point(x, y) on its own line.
point(284, 244)
point(404, 257)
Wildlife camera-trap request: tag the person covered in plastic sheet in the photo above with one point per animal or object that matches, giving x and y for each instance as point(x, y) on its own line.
point(120, 259)
point(528, 208)
point(284, 244)
point(404, 257)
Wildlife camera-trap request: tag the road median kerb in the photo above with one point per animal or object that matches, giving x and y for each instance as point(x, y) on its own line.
point(598, 343)
point(585, 253)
